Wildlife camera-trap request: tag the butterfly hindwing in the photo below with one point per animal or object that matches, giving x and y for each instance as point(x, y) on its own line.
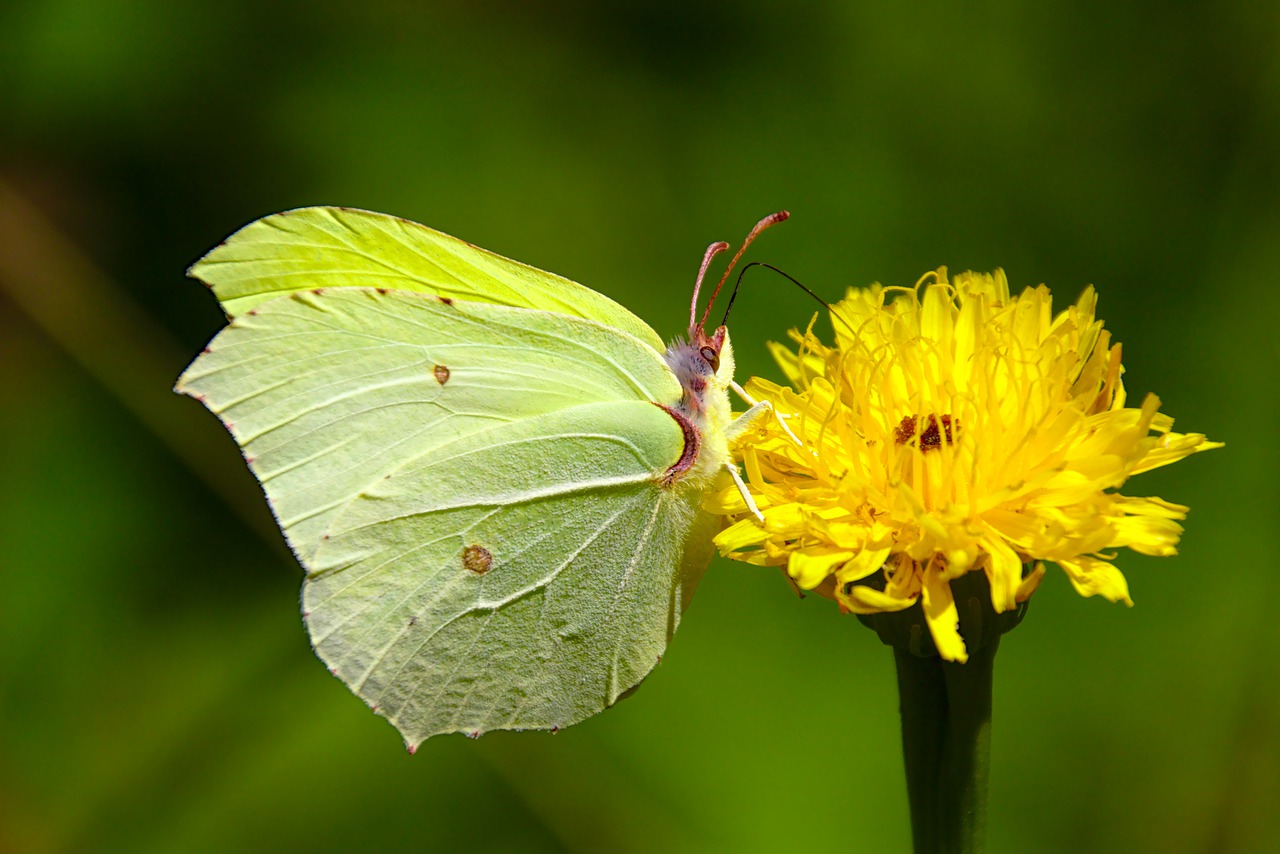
point(523, 577)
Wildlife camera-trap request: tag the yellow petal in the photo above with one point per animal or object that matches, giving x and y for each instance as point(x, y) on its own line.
point(741, 535)
point(940, 613)
point(810, 566)
point(1004, 571)
point(1173, 447)
point(1031, 583)
point(861, 599)
point(1093, 577)
point(861, 565)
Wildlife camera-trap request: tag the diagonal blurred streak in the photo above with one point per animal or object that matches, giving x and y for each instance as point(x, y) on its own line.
point(117, 343)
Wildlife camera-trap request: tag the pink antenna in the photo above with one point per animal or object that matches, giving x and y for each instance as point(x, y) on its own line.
point(712, 250)
point(771, 219)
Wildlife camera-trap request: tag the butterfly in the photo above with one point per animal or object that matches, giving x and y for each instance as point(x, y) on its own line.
point(493, 476)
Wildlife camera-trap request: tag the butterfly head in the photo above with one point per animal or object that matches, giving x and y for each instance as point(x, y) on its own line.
point(703, 363)
point(710, 347)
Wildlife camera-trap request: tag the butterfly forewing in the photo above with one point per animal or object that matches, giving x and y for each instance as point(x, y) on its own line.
point(326, 247)
point(326, 393)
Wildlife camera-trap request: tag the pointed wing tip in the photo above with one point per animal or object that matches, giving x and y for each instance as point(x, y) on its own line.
point(183, 385)
point(193, 271)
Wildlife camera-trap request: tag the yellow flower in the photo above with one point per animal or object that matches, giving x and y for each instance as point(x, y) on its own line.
point(952, 428)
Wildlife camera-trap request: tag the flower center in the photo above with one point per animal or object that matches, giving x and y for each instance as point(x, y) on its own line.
point(931, 437)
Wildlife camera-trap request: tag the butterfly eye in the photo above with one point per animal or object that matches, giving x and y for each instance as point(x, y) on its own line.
point(712, 357)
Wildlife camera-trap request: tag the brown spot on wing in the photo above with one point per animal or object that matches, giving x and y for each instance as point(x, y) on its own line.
point(477, 559)
point(441, 374)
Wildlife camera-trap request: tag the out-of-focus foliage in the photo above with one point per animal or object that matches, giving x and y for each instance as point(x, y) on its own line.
point(156, 688)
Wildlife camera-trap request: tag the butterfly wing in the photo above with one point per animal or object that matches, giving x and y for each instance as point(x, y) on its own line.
point(476, 492)
point(324, 247)
point(327, 392)
point(522, 578)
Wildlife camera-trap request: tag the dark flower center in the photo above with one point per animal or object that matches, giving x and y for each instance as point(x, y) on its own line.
point(931, 437)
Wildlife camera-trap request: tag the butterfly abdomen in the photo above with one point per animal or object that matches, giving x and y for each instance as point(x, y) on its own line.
point(702, 412)
point(692, 446)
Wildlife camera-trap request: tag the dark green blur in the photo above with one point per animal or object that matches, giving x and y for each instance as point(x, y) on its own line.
point(157, 691)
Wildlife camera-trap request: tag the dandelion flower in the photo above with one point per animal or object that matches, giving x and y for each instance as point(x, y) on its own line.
point(951, 429)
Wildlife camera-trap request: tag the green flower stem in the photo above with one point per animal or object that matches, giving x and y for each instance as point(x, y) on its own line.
point(922, 702)
point(946, 747)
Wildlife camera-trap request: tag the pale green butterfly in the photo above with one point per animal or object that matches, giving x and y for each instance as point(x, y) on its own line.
point(492, 475)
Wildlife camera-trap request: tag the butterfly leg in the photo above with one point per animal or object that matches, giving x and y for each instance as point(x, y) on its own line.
point(743, 491)
point(758, 409)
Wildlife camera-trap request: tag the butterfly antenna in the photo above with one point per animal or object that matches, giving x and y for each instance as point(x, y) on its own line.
point(771, 219)
point(734, 295)
point(712, 250)
point(831, 309)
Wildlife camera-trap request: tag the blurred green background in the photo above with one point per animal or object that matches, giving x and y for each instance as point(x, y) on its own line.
point(157, 692)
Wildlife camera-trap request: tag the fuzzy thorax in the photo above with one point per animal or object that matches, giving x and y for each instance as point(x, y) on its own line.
point(705, 398)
